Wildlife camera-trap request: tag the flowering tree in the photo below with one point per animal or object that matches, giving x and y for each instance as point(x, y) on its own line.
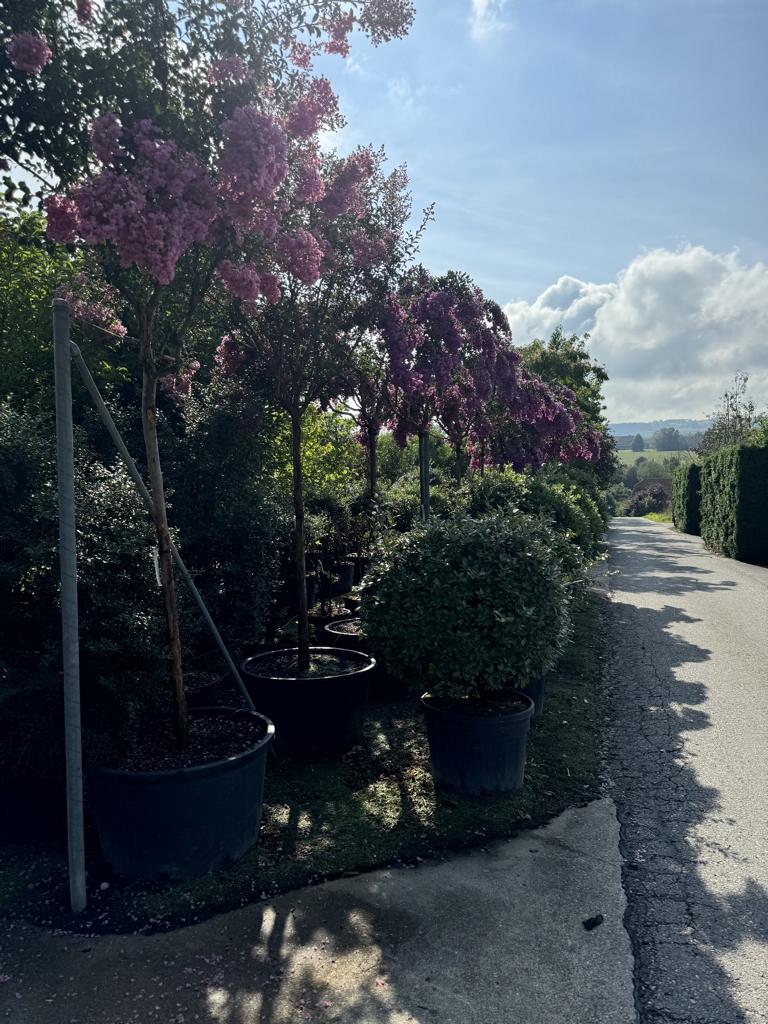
point(336, 258)
point(205, 147)
point(446, 343)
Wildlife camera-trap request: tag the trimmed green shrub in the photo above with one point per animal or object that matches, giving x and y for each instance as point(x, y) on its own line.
point(686, 498)
point(465, 607)
point(734, 498)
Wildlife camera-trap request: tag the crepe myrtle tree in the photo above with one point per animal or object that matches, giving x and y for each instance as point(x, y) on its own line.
point(336, 258)
point(541, 423)
point(167, 201)
point(443, 342)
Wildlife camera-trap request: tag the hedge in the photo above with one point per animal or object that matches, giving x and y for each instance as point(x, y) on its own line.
point(686, 498)
point(734, 499)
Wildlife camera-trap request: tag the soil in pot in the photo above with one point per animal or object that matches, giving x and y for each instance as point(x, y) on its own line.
point(478, 747)
point(160, 812)
point(318, 712)
point(320, 616)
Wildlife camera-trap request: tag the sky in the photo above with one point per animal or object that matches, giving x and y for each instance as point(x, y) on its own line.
point(596, 163)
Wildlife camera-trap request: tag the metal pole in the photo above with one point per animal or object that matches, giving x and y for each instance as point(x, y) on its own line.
point(135, 475)
point(65, 470)
point(424, 474)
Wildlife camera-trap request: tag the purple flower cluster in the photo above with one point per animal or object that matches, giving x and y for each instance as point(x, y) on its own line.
point(84, 11)
point(63, 218)
point(28, 52)
point(229, 355)
point(253, 162)
point(299, 253)
point(178, 386)
point(152, 207)
point(106, 133)
point(338, 32)
point(309, 186)
point(345, 194)
point(93, 302)
point(367, 251)
point(318, 108)
point(242, 282)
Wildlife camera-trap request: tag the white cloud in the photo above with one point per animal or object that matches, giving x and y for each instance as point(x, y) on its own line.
point(671, 330)
point(487, 19)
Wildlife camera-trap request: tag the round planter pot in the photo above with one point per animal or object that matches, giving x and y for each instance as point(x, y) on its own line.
point(384, 687)
point(345, 573)
point(536, 691)
point(476, 754)
point(360, 564)
point(320, 716)
point(185, 821)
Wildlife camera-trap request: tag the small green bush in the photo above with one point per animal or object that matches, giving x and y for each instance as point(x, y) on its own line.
point(465, 607)
point(686, 498)
point(734, 498)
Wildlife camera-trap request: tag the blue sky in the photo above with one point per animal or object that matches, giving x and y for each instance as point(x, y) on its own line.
point(586, 140)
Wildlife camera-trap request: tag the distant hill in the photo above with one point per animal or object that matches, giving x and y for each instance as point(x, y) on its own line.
point(649, 428)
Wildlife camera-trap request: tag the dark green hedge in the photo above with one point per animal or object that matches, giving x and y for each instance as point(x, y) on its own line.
point(686, 498)
point(734, 503)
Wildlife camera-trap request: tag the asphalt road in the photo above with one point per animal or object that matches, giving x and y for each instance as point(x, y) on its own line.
point(687, 697)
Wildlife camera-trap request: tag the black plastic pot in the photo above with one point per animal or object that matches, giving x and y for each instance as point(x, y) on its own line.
point(317, 717)
point(345, 573)
point(185, 821)
point(360, 565)
point(384, 687)
point(477, 754)
point(536, 691)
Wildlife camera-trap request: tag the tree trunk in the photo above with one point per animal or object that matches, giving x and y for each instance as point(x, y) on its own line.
point(458, 456)
point(482, 457)
point(160, 516)
point(424, 474)
point(373, 467)
point(299, 552)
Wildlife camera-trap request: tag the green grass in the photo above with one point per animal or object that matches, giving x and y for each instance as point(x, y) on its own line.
point(659, 517)
point(374, 807)
point(628, 458)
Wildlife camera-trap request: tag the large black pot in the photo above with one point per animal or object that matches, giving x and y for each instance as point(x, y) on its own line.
point(185, 821)
point(477, 754)
point(316, 717)
point(384, 687)
point(345, 578)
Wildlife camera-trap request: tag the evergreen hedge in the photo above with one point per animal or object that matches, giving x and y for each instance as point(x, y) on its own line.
point(686, 498)
point(734, 503)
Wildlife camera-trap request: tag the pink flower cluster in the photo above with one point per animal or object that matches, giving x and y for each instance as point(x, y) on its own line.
point(243, 282)
point(152, 209)
point(28, 52)
point(345, 194)
point(270, 287)
point(318, 108)
point(229, 70)
point(63, 218)
point(229, 355)
point(253, 162)
point(93, 302)
point(106, 133)
point(338, 31)
point(299, 253)
point(178, 386)
point(366, 251)
point(309, 186)
point(84, 11)
point(300, 54)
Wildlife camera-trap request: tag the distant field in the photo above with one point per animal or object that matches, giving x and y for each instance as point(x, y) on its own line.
point(630, 458)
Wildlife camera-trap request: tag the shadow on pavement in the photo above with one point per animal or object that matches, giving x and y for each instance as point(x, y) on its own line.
point(680, 929)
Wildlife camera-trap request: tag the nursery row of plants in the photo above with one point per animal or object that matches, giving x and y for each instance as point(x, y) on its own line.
point(374, 488)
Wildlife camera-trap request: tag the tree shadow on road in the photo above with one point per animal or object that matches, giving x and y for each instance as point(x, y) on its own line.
point(676, 837)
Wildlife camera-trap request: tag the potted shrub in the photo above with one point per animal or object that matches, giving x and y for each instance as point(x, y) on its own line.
point(498, 619)
point(165, 206)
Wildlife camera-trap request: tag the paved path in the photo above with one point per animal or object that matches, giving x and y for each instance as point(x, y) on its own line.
point(688, 695)
point(492, 937)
